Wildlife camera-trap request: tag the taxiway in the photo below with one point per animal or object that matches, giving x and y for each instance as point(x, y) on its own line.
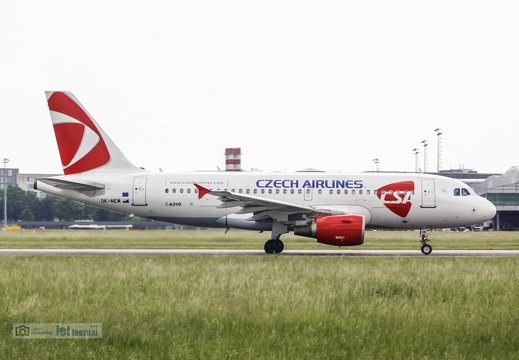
point(338, 252)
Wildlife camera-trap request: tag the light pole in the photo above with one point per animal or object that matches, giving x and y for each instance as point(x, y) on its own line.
point(376, 161)
point(439, 133)
point(416, 166)
point(425, 143)
point(5, 161)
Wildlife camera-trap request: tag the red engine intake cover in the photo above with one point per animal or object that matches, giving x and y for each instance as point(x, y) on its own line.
point(340, 230)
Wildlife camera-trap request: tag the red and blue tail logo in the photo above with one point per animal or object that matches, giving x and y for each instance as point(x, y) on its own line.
point(81, 145)
point(397, 197)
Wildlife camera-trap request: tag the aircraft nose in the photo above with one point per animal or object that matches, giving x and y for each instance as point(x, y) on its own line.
point(487, 209)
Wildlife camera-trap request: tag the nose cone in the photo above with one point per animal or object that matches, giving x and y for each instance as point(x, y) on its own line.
point(487, 210)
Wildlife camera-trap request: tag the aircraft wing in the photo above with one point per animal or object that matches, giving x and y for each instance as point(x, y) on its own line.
point(261, 207)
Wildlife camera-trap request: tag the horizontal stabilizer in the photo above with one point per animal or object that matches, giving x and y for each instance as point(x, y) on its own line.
point(69, 185)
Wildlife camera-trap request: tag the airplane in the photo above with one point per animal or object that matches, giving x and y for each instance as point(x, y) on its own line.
point(334, 208)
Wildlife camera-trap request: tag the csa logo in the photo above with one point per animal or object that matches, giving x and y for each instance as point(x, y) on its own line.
point(397, 197)
point(80, 143)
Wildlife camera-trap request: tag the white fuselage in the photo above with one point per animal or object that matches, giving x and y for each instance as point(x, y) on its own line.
point(393, 200)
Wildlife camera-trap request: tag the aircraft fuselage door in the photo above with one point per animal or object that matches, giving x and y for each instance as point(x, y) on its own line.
point(139, 191)
point(428, 194)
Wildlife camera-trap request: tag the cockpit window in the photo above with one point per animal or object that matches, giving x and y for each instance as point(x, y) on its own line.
point(462, 192)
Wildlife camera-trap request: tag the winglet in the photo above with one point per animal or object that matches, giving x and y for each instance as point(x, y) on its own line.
point(202, 191)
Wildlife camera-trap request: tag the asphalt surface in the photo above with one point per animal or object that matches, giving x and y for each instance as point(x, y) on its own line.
point(338, 252)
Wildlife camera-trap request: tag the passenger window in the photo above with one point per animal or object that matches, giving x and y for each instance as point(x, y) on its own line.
point(360, 192)
point(167, 190)
point(456, 192)
point(247, 191)
point(367, 192)
point(189, 191)
point(331, 192)
point(181, 191)
point(346, 192)
point(353, 192)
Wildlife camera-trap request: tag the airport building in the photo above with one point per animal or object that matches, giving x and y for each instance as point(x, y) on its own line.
point(8, 177)
point(503, 192)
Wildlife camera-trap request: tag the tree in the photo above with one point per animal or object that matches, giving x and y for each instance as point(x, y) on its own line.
point(17, 200)
point(45, 208)
point(67, 210)
point(106, 215)
point(27, 214)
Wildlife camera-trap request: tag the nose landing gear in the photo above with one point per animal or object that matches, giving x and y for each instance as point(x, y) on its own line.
point(426, 248)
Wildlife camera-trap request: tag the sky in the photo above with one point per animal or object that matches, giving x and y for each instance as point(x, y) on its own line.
point(329, 85)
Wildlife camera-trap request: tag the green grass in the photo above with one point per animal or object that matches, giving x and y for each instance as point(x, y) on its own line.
point(264, 307)
point(236, 239)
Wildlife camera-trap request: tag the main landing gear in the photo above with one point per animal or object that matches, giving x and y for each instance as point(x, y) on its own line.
point(274, 245)
point(426, 248)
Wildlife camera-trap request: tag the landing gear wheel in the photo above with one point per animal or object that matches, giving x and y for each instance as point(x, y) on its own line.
point(274, 246)
point(279, 246)
point(426, 249)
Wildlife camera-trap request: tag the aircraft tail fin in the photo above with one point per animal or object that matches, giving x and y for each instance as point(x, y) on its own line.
point(83, 145)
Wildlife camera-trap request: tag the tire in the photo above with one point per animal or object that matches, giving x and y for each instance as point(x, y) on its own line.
point(426, 249)
point(271, 246)
point(279, 246)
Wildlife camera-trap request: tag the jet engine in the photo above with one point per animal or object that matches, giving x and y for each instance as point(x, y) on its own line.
point(338, 230)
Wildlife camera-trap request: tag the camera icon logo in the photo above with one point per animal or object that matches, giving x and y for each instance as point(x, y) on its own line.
point(21, 330)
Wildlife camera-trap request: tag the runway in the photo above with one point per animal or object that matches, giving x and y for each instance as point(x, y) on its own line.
point(338, 252)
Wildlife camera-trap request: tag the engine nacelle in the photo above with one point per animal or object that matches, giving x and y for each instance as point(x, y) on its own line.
point(338, 230)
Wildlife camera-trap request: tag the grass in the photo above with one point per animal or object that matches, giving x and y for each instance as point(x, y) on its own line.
point(236, 239)
point(264, 307)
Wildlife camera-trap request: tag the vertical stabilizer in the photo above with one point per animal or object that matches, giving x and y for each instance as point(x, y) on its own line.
point(83, 145)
